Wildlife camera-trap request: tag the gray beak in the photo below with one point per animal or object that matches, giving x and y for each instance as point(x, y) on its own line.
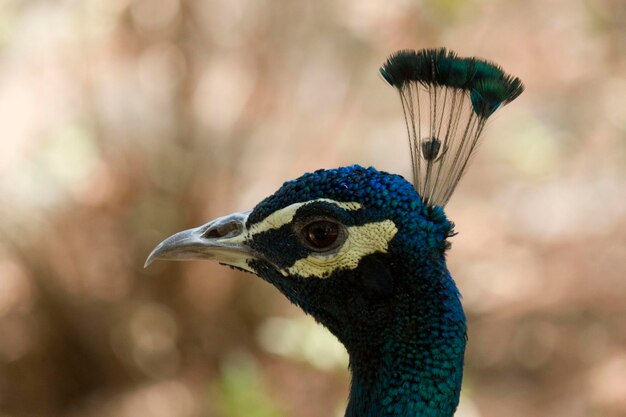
point(221, 240)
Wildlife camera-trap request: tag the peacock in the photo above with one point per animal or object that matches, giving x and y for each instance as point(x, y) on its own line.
point(364, 251)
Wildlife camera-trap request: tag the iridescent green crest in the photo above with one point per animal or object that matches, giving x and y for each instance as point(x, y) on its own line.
point(446, 101)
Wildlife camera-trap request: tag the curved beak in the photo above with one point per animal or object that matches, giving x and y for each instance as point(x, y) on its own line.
point(221, 240)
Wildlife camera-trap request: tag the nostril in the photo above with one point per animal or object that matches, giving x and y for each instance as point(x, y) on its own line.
point(223, 230)
point(212, 233)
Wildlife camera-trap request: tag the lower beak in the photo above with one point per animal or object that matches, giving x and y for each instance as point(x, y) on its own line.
point(221, 240)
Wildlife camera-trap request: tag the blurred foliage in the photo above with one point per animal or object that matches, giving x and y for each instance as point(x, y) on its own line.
point(241, 393)
point(126, 120)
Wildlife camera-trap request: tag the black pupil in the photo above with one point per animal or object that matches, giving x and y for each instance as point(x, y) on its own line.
point(322, 234)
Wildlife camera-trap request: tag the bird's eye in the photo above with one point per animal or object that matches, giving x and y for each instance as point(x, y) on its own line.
point(321, 234)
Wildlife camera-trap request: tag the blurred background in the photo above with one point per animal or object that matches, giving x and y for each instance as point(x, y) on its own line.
point(124, 121)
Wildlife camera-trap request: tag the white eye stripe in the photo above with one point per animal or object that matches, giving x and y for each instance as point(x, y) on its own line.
point(285, 215)
point(362, 241)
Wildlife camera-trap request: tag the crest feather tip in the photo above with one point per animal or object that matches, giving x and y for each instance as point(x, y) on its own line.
point(446, 101)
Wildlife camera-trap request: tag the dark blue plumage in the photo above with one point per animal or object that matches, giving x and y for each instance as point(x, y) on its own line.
point(363, 251)
point(398, 314)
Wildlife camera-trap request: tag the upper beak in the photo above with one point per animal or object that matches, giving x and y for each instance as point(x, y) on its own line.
point(221, 240)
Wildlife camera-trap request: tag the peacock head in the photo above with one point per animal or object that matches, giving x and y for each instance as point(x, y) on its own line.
point(347, 244)
point(343, 244)
point(363, 251)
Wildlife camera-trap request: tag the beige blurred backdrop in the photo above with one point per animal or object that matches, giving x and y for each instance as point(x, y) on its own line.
point(123, 121)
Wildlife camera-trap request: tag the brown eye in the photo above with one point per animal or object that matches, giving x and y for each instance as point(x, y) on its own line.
point(321, 234)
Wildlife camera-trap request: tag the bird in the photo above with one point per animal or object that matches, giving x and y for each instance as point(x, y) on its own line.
point(364, 251)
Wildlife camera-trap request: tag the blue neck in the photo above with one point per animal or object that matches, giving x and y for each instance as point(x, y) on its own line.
point(418, 369)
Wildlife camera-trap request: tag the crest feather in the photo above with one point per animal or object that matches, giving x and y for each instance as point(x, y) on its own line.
point(446, 102)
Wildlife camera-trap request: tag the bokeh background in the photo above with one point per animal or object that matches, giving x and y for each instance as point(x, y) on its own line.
point(123, 121)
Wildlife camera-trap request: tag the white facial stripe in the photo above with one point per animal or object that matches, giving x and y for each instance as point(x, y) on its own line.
point(285, 216)
point(362, 241)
